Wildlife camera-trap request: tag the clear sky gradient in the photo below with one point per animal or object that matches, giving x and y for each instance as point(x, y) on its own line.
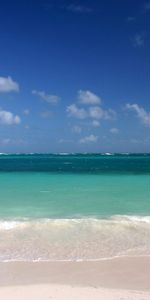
point(74, 76)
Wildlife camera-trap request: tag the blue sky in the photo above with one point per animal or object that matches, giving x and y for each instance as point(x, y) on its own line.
point(74, 76)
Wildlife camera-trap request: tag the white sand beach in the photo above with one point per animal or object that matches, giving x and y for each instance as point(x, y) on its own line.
point(116, 279)
point(59, 292)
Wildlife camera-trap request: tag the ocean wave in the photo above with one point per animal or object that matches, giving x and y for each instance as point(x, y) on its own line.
point(87, 221)
point(74, 239)
point(129, 218)
point(76, 153)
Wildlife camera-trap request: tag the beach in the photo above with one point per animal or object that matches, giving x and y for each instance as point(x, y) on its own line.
point(115, 279)
point(74, 226)
point(74, 150)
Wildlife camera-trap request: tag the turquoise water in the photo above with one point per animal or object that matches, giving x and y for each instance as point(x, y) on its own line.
point(57, 207)
point(47, 195)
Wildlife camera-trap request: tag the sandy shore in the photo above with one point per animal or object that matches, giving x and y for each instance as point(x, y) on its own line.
point(59, 292)
point(121, 278)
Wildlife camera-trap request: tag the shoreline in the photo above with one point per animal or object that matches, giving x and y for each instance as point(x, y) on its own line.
point(120, 278)
point(122, 273)
point(84, 239)
point(80, 260)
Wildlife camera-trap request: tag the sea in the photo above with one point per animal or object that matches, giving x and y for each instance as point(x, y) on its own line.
point(74, 207)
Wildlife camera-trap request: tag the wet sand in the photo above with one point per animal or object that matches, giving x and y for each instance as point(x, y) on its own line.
point(119, 278)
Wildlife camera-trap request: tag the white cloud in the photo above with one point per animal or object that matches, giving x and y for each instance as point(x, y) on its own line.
point(110, 114)
point(87, 97)
point(52, 99)
point(77, 129)
point(130, 19)
point(89, 139)
point(142, 114)
point(97, 112)
point(138, 40)
point(79, 8)
point(46, 114)
point(7, 84)
point(95, 123)
point(94, 112)
point(5, 141)
point(8, 118)
point(61, 141)
point(114, 130)
point(74, 111)
point(93, 109)
point(135, 141)
point(26, 112)
point(27, 126)
point(147, 6)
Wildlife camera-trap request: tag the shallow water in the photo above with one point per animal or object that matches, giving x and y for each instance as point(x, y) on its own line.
point(70, 207)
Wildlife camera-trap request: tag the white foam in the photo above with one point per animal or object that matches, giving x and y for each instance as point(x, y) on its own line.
point(64, 153)
point(8, 225)
point(76, 239)
point(132, 218)
point(85, 221)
